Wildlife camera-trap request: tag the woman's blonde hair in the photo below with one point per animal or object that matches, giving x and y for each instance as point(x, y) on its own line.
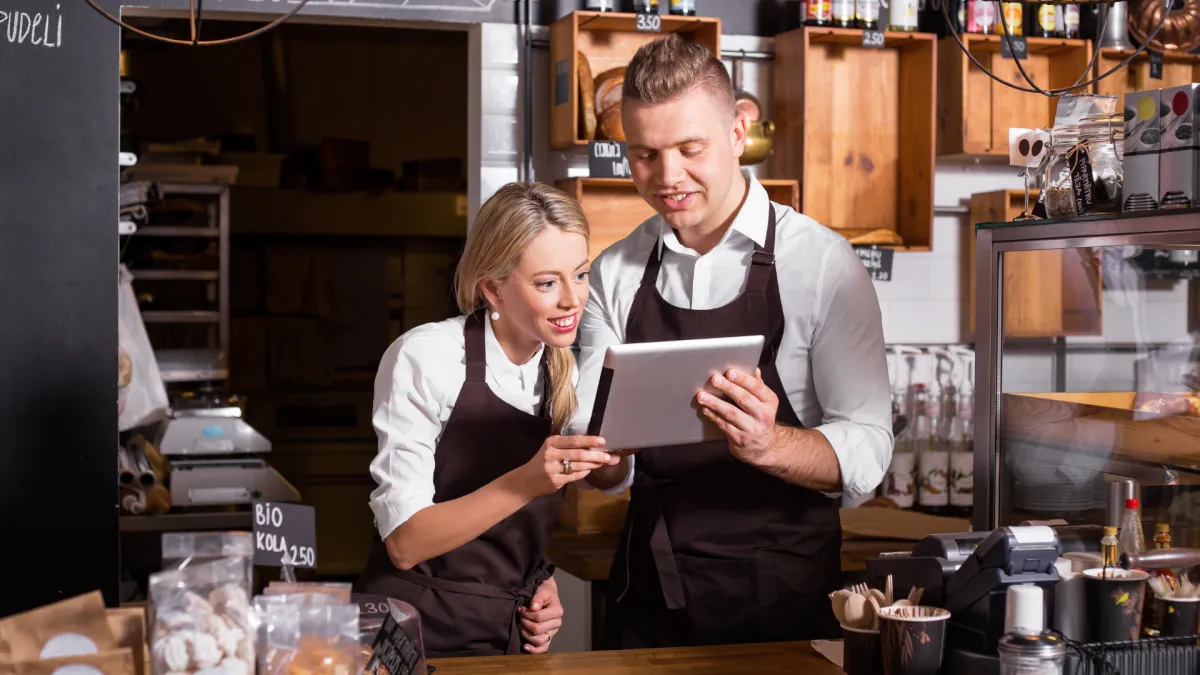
point(506, 225)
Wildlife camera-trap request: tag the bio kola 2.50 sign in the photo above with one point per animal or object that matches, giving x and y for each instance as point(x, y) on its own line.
point(285, 534)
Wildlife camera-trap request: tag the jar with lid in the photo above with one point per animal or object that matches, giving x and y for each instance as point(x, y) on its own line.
point(1041, 654)
point(1098, 139)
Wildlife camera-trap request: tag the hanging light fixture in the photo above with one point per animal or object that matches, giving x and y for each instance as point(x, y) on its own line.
point(1080, 83)
point(195, 24)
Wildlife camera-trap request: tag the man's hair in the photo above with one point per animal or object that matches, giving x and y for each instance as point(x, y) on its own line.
point(670, 67)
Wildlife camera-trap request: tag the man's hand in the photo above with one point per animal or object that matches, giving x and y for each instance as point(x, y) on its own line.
point(541, 620)
point(748, 422)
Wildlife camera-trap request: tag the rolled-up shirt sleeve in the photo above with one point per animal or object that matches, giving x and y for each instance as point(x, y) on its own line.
point(850, 376)
point(407, 416)
point(597, 332)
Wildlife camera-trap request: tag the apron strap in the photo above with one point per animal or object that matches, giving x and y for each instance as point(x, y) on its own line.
point(660, 545)
point(473, 335)
point(650, 271)
point(762, 261)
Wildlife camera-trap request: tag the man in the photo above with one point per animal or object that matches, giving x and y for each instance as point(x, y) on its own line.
point(735, 541)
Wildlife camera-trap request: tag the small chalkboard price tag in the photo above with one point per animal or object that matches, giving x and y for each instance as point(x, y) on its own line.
point(878, 261)
point(606, 159)
point(872, 39)
point(1156, 65)
point(285, 534)
point(1081, 180)
point(562, 82)
point(649, 22)
point(393, 652)
point(1013, 46)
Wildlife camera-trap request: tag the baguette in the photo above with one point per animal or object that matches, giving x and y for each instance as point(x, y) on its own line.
point(587, 101)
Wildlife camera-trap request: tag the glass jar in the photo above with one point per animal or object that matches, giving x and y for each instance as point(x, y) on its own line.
point(1043, 654)
point(1102, 136)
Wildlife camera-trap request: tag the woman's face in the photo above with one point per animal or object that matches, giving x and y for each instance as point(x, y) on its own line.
point(544, 296)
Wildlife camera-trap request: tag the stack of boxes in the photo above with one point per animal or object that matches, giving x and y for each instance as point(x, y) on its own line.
point(1162, 151)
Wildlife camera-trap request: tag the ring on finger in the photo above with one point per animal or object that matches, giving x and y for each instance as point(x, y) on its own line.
point(566, 466)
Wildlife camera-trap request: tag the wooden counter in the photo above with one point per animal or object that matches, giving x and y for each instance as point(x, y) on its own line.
point(762, 659)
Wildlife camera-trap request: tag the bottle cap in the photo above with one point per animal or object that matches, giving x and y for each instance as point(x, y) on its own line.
point(1162, 527)
point(1132, 504)
point(1023, 613)
point(1110, 531)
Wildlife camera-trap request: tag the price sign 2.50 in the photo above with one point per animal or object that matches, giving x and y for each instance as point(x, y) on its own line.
point(285, 534)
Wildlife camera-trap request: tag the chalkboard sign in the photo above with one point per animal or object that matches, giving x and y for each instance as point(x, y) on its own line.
point(878, 261)
point(59, 101)
point(285, 534)
point(393, 651)
point(1156, 64)
point(873, 39)
point(1013, 45)
point(606, 159)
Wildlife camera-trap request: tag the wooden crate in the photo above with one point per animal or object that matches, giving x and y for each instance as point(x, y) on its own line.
point(1046, 293)
point(1178, 70)
point(614, 208)
point(592, 511)
point(857, 126)
point(608, 40)
point(976, 112)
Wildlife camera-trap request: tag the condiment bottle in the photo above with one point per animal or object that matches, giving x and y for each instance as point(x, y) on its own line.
point(1013, 17)
point(601, 5)
point(981, 16)
point(843, 13)
point(645, 6)
point(1132, 540)
point(683, 7)
point(1070, 14)
point(818, 12)
point(866, 14)
point(1109, 556)
point(1026, 648)
point(1047, 20)
point(902, 15)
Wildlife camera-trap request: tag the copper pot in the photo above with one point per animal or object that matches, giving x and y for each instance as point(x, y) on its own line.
point(1180, 33)
point(759, 142)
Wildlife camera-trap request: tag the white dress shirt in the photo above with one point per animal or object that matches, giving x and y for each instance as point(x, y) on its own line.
point(416, 388)
point(831, 360)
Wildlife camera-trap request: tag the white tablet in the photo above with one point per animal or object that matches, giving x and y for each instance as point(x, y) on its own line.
point(646, 396)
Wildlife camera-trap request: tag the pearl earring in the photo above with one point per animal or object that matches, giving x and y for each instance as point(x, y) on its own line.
point(495, 316)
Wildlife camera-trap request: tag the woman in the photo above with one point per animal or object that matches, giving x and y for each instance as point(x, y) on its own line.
point(468, 413)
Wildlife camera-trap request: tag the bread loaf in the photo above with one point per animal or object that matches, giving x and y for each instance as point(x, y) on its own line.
point(608, 89)
point(587, 101)
point(610, 124)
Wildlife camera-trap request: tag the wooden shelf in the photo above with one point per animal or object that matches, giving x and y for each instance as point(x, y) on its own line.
point(608, 40)
point(976, 112)
point(857, 126)
point(270, 211)
point(1178, 70)
point(614, 208)
point(1046, 293)
point(1103, 425)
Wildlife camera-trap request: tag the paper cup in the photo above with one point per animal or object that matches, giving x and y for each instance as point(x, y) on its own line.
point(862, 653)
point(1115, 599)
point(1179, 617)
point(913, 639)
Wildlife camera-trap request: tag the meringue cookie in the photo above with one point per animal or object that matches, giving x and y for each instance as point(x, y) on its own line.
point(171, 652)
point(235, 666)
point(204, 649)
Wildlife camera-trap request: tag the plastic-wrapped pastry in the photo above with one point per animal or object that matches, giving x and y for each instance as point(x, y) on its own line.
point(202, 622)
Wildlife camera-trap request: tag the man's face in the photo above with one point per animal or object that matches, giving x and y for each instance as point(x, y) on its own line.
point(683, 155)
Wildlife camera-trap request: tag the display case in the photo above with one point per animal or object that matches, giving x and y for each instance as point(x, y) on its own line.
point(1056, 418)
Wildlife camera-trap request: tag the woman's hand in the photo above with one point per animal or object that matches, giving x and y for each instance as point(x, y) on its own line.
point(541, 620)
point(565, 459)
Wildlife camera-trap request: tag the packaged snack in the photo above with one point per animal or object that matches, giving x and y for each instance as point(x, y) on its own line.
point(202, 620)
point(307, 635)
point(67, 628)
point(110, 662)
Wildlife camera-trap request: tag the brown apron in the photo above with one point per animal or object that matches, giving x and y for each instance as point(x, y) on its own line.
point(715, 551)
point(468, 597)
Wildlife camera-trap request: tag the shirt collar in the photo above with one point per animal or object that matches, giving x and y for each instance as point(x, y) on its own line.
point(750, 221)
point(501, 367)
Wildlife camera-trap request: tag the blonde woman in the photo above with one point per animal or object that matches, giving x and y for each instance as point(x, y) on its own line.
point(469, 414)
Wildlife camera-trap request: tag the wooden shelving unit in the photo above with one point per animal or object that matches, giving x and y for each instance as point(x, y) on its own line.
point(608, 40)
point(614, 208)
point(1178, 69)
point(1046, 293)
point(271, 211)
point(857, 126)
point(976, 112)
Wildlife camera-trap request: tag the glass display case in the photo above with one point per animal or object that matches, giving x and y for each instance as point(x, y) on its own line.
point(1111, 392)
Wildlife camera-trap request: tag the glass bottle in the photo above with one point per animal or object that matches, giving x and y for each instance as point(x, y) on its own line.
point(933, 466)
point(601, 5)
point(962, 468)
point(645, 6)
point(1132, 540)
point(818, 12)
point(683, 7)
point(1070, 13)
point(843, 13)
point(981, 16)
point(1046, 20)
point(866, 14)
point(902, 15)
point(899, 485)
point(1014, 17)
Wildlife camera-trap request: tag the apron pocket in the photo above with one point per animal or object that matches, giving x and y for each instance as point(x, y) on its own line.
point(722, 599)
point(793, 594)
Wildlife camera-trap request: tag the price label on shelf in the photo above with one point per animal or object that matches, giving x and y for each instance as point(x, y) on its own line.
point(606, 159)
point(878, 261)
point(1156, 64)
point(285, 534)
point(872, 39)
point(1013, 47)
point(649, 22)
